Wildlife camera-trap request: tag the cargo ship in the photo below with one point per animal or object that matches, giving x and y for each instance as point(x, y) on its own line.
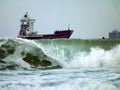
point(27, 31)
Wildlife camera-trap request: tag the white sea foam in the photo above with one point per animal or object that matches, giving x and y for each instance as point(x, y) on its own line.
point(16, 59)
point(92, 67)
point(96, 57)
point(65, 79)
point(68, 56)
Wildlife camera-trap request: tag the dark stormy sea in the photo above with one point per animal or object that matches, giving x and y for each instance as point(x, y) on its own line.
point(61, 64)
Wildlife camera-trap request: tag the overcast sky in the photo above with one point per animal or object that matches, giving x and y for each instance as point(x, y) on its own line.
point(88, 18)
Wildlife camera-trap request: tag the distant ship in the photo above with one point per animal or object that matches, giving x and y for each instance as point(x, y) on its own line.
point(114, 34)
point(27, 31)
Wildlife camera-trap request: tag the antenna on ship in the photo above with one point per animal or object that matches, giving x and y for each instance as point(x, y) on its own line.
point(68, 26)
point(26, 13)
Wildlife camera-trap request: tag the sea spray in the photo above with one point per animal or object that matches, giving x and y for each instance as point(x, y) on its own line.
point(59, 53)
point(24, 54)
point(70, 64)
point(77, 55)
point(97, 57)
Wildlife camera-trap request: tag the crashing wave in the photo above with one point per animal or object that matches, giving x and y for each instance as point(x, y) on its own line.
point(18, 53)
point(64, 53)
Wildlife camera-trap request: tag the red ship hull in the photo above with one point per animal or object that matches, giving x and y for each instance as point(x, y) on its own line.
point(56, 35)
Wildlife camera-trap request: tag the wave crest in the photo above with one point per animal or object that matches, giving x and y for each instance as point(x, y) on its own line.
point(25, 54)
point(47, 54)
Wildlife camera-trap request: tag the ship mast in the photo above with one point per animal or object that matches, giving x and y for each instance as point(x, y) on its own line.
point(68, 26)
point(27, 24)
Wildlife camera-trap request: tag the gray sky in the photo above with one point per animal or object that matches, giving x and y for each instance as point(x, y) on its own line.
point(88, 18)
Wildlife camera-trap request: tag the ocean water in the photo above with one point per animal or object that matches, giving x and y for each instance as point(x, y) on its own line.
point(62, 64)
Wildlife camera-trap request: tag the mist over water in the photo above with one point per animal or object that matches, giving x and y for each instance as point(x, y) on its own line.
point(59, 64)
